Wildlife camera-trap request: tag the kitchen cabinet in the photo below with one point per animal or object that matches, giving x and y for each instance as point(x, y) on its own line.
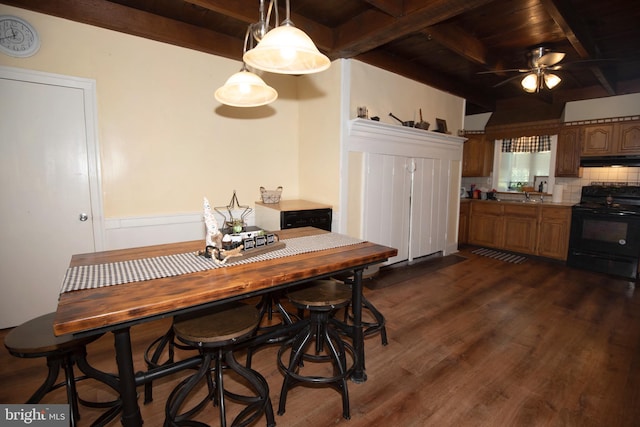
point(598, 140)
point(617, 138)
point(486, 224)
point(477, 156)
point(463, 223)
point(628, 138)
point(520, 228)
point(534, 229)
point(568, 152)
point(555, 225)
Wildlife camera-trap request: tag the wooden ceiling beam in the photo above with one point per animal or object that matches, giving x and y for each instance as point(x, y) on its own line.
point(579, 36)
point(113, 16)
point(459, 41)
point(373, 29)
point(322, 36)
point(390, 7)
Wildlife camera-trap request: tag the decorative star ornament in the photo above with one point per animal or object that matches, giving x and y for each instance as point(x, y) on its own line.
point(233, 205)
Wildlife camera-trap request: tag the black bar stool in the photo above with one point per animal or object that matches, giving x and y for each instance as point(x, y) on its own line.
point(161, 352)
point(35, 338)
point(321, 298)
point(216, 334)
point(377, 322)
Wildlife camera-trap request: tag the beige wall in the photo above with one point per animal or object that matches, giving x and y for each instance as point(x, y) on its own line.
point(383, 92)
point(319, 136)
point(165, 142)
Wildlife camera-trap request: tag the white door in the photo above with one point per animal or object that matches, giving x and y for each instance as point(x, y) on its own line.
point(387, 185)
point(429, 207)
point(48, 167)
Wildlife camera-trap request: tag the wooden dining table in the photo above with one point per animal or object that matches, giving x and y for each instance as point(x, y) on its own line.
point(117, 308)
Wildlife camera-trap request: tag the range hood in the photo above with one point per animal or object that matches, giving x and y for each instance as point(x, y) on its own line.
point(610, 161)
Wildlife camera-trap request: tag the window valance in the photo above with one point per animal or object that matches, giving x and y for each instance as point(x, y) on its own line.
point(527, 144)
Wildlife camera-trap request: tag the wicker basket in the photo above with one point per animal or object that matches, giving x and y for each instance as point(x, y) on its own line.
point(270, 196)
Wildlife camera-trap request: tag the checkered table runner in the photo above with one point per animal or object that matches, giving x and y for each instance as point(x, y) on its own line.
point(116, 273)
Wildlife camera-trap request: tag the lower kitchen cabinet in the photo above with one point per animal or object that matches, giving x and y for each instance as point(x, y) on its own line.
point(463, 223)
point(520, 228)
point(486, 224)
point(534, 229)
point(555, 225)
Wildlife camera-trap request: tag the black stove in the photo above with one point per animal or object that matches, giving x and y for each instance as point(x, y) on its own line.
point(611, 197)
point(605, 229)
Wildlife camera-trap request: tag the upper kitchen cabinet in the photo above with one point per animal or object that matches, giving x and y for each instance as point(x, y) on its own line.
point(612, 138)
point(598, 140)
point(568, 153)
point(629, 138)
point(477, 156)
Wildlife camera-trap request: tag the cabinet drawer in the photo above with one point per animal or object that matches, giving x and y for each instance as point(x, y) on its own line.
point(556, 213)
point(487, 208)
point(521, 210)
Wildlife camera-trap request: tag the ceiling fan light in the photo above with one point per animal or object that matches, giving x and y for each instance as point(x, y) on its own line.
point(245, 89)
point(530, 82)
point(551, 80)
point(286, 50)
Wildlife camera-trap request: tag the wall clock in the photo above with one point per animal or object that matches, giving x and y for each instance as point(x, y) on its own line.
point(17, 37)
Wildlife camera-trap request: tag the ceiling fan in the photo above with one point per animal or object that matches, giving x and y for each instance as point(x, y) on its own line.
point(541, 61)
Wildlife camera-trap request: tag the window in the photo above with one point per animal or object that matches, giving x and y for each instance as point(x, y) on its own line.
point(519, 161)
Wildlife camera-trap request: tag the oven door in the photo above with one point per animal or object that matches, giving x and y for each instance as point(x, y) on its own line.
point(605, 242)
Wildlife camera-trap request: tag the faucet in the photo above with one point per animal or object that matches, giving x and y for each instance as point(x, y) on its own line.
point(527, 196)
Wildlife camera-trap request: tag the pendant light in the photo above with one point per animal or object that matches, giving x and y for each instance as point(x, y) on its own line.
point(286, 50)
point(244, 88)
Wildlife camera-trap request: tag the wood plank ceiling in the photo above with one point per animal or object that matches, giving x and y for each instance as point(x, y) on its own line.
point(442, 43)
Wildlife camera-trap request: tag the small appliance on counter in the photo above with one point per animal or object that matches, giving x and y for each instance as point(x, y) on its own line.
point(293, 214)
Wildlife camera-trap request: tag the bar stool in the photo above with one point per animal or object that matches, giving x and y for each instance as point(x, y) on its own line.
point(35, 338)
point(322, 298)
point(216, 335)
point(377, 323)
point(161, 352)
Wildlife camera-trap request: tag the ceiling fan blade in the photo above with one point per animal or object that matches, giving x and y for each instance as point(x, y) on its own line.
point(587, 63)
point(507, 81)
point(511, 70)
point(549, 59)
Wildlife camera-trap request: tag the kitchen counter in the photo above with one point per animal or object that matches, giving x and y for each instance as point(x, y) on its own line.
point(547, 202)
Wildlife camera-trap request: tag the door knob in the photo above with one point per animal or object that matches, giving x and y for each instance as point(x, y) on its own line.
point(84, 217)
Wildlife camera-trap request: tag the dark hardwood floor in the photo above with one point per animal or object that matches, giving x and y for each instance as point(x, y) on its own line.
point(472, 342)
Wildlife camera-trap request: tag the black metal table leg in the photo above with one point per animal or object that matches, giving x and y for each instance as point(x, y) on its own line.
point(131, 416)
point(359, 375)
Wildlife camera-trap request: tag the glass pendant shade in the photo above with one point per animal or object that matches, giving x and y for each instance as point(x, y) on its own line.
point(551, 80)
point(245, 89)
point(286, 50)
point(530, 82)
